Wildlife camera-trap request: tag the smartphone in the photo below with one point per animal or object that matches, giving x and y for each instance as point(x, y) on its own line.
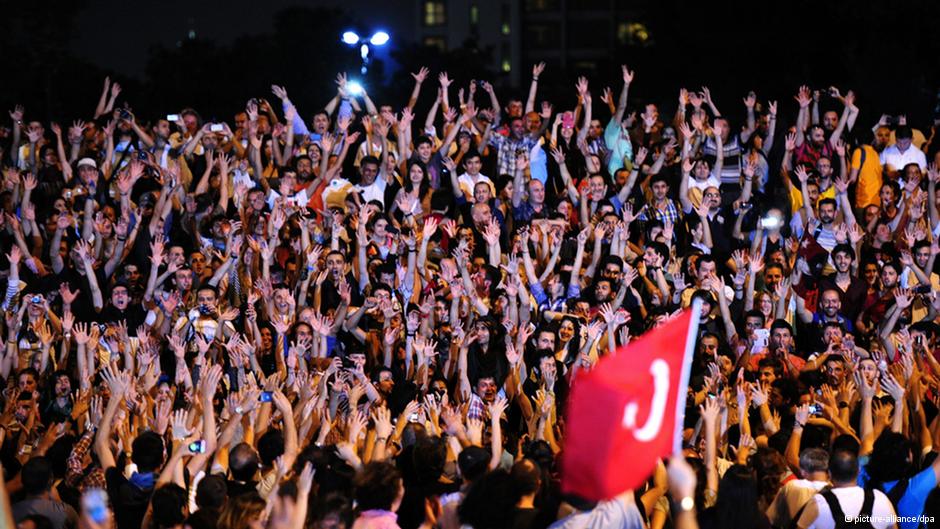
point(266, 396)
point(172, 118)
point(197, 447)
point(815, 409)
point(413, 417)
point(215, 127)
point(95, 503)
point(761, 337)
point(125, 114)
point(770, 222)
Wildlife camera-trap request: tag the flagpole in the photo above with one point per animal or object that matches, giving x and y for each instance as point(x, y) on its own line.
point(696, 309)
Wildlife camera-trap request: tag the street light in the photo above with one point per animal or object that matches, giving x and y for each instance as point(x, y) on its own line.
point(379, 38)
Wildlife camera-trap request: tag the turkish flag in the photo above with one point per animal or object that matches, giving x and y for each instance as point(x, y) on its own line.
point(628, 411)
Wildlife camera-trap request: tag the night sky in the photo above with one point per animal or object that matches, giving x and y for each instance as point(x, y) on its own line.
point(127, 35)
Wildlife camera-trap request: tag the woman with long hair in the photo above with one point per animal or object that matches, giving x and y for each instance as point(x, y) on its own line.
point(243, 512)
point(737, 502)
point(415, 194)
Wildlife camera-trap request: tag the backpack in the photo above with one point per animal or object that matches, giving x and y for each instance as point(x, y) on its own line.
point(838, 516)
point(896, 493)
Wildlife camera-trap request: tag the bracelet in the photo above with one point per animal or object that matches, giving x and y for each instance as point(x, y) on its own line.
point(409, 335)
point(410, 249)
point(121, 239)
point(798, 424)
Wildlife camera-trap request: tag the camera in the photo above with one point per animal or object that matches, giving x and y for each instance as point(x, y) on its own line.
point(36, 299)
point(215, 127)
point(266, 396)
point(815, 409)
point(142, 156)
point(125, 114)
point(172, 118)
point(197, 447)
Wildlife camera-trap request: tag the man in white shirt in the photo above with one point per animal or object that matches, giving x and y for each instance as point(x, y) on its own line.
point(371, 186)
point(895, 157)
point(620, 512)
point(468, 181)
point(814, 467)
point(846, 500)
point(287, 186)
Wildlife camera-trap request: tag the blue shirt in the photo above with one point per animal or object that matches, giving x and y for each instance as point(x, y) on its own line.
point(918, 488)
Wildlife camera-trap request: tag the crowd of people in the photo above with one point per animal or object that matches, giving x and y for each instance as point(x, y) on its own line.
point(359, 317)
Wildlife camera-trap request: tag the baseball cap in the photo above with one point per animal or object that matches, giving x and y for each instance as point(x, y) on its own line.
point(89, 162)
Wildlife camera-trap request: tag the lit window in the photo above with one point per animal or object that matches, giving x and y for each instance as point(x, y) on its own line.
point(505, 28)
point(434, 13)
point(436, 42)
point(474, 15)
point(506, 66)
point(632, 33)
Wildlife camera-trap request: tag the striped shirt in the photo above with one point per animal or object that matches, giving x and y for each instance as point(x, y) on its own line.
point(731, 164)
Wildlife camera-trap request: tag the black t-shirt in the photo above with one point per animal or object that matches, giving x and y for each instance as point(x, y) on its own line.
point(525, 518)
point(134, 316)
point(128, 501)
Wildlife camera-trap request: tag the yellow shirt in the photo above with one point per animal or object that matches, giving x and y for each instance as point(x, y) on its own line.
point(796, 197)
point(869, 176)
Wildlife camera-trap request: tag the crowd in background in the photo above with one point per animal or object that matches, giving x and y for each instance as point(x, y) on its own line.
point(359, 317)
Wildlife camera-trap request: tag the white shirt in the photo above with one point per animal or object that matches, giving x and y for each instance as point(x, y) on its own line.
point(850, 500)
point(299, 199)
point(468, 182)
point(790, 498)
point(614, 513)
point(373, 191)
point(894, 158)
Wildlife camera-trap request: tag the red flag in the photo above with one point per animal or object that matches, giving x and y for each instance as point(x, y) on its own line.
point(628, 411)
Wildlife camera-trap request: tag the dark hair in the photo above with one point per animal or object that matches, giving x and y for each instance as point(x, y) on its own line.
point(844, 248)
point(773, 363)
point(425, 184)
point(736, 505)
point(489, 502)
point(754, 313)
point(377, 486)
point(890, 458)
point(36, 475)
point(843, 466)
point(243, 462)
point(147, 452)
point(270, 446)
point(211, 492)
point(831, 201)
point(239, 509)
point(903, 132)
point(169, 504)
point(526, 476)
point(369, 160)
point(780, 324)
point(473, 462)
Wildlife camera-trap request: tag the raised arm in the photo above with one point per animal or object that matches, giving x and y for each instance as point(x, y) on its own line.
point(419, 78)
point(534, 87)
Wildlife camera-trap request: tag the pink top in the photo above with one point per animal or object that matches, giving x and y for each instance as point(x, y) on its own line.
point(376, 519)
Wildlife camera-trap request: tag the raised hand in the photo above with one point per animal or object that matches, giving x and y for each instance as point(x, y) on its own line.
point(421, 75)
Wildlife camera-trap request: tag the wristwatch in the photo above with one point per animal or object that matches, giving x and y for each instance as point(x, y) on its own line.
point(687, 503)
